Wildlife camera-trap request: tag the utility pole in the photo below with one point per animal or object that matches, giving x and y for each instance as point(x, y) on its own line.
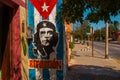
point(92, 42)
point(106, 43)
point(100, 34)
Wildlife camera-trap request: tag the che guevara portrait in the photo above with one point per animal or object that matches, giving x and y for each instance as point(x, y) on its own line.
point(45, 39)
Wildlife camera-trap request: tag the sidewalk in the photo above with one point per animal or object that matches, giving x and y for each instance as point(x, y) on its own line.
point(84, 67)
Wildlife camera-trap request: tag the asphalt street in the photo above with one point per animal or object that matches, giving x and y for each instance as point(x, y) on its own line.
point(83, 66)
point(114, 49)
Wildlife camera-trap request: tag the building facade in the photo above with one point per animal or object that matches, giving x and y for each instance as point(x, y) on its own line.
point(18, 23)
point(11, 21)
point(46, 71)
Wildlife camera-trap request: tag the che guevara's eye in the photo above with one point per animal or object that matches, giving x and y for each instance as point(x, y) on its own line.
point(42, 32)
point(50, 32)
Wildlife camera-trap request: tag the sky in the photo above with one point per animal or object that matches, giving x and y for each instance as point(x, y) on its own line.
point(101, 23)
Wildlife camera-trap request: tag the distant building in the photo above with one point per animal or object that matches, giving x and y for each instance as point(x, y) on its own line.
point(116, 36)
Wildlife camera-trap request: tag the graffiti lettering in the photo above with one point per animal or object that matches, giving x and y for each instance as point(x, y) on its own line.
point(51, 64)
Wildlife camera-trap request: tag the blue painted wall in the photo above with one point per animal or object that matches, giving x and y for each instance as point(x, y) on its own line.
point(60, 47)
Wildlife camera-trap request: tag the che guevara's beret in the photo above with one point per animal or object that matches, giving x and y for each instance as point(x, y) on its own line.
point(45, 24)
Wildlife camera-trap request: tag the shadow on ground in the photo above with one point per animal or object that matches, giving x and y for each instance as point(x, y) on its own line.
point(89, 72)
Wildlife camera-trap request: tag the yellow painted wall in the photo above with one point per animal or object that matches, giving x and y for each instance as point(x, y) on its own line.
point(68, 27)
point(24, 58)
point(68, 30)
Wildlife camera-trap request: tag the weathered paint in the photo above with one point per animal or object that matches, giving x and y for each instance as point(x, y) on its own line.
point(30, 15)
point(20, 2)
point(13, 3)
point(14, 40)
point(24, 58)
point(52, 17)
point(60, 48)
point(68, 35)
point(31, 72)
point(16, 50)
point(16, 46)
point(32, 22)
point(37, 18)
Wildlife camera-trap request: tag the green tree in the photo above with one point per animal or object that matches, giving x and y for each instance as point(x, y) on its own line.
point(116, 25)
point(77, 34)
point(85, 28)
point(82, 30)
point(73, 10)
point(99, 33)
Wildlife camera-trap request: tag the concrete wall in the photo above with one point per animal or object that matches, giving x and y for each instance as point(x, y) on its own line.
point(34, 18)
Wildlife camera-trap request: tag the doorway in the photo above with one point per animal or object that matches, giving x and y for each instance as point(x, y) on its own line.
point(5, 40)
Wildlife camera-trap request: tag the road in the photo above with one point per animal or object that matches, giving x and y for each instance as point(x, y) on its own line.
point(114, 49)
point(83, 66)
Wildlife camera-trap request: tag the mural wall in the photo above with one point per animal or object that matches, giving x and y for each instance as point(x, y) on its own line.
point(45, 47)
point(24, 47)
point(10, 39)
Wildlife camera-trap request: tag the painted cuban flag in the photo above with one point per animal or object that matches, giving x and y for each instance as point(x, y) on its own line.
point(45, 62)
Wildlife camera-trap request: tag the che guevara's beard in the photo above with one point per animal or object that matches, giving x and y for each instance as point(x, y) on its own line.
point(45, 42)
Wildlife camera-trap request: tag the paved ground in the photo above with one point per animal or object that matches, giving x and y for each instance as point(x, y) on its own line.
point(84, 67)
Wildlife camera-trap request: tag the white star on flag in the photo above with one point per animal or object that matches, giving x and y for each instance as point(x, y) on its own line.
point(44, 7)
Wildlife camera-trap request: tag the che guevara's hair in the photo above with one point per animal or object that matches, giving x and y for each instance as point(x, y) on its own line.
point(37, 43)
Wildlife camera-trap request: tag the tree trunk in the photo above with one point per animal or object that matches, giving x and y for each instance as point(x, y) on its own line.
point(106, 43)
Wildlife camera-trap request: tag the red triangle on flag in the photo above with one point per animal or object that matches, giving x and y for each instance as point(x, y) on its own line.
point(44, 7)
